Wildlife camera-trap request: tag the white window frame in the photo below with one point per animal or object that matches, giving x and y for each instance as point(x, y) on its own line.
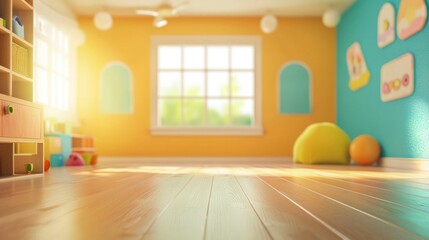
point(255, 129)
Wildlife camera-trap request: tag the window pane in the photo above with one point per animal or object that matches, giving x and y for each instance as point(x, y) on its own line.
point(66, 45)
point(169, 57)
point(169, 84)
point(61, 88)
point(42, 53)
point(60, 40)
point(41, 82)
point(242, 84)
point(194, 57)
point(41, 26)
point(66, 97)
point(59, 63)
point(242, 57)
point(194, 83)
point(56, 91)
point(218, 84)
point(194, 112)
point(170, 112)
point(66, 64)
point(218, 57)
point(218, 112)
point(242, 112)
point(53, 36)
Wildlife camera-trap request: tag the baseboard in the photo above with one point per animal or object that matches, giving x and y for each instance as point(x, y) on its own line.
point(195, 159)
point(414, 164)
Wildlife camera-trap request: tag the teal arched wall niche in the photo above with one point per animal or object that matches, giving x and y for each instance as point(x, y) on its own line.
point(295, 89)
point(116, 89)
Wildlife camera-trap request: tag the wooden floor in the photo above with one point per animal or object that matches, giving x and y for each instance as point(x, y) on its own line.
point(215, 201)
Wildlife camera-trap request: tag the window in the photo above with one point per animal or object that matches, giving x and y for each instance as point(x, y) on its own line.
point(54, 62)
point(206, 85)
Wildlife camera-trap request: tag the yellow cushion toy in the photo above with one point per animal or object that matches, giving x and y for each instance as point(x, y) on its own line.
point(322, 143)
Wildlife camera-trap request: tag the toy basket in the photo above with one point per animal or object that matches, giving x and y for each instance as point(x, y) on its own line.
point(18, 27)
point(20, 59)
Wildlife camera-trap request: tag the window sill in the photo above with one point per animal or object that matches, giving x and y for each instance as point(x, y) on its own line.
point(183, 131)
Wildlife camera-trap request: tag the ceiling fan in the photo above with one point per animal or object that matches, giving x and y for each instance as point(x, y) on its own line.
point(162, 12)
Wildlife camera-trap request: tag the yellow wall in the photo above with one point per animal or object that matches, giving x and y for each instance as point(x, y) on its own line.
point(303, 39)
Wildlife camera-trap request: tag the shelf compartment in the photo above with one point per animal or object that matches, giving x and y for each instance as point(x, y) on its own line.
point(6, 153)
point(25, 149)
point(21, 42)
point(26, 17)
point(28, 153)
point(22, 62)
point(5, 86)
point(22, 5)
point(5, 13)
point(5, 51)
point(20, 160)
point(22, 90)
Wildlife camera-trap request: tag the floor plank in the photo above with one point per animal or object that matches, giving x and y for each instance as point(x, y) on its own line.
point(411, 219)
point(350, 222)
point(283, 218)
point(148, 205)
point(230, 214)
point(185, 217)
point(80, 218)
point(386, 184)
point(411, 201)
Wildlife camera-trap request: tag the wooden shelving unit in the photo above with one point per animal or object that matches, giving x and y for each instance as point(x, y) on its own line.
point(22, 126)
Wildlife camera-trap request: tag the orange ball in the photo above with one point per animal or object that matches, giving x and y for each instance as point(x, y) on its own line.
point(47, 165)
point(365, 150)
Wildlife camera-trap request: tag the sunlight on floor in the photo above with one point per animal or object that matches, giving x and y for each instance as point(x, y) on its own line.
point(258, 171)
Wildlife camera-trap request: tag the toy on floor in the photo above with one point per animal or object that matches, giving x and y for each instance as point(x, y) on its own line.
point(47, 165)
point(75, 159)
point(86, 158)
point(365, 150)
point(94, 159)
point(29, 167)
point(322, 143)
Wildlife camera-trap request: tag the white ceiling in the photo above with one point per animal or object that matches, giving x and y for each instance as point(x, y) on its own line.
point(209, 7)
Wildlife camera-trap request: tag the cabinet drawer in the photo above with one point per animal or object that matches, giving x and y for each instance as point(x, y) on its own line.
point(24, 122)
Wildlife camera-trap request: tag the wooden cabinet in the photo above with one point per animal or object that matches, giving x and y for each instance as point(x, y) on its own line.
point(21, 137)
point(21, 121)
point(24, 122)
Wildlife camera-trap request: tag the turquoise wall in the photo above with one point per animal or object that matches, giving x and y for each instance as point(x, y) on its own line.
point(401, 126)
